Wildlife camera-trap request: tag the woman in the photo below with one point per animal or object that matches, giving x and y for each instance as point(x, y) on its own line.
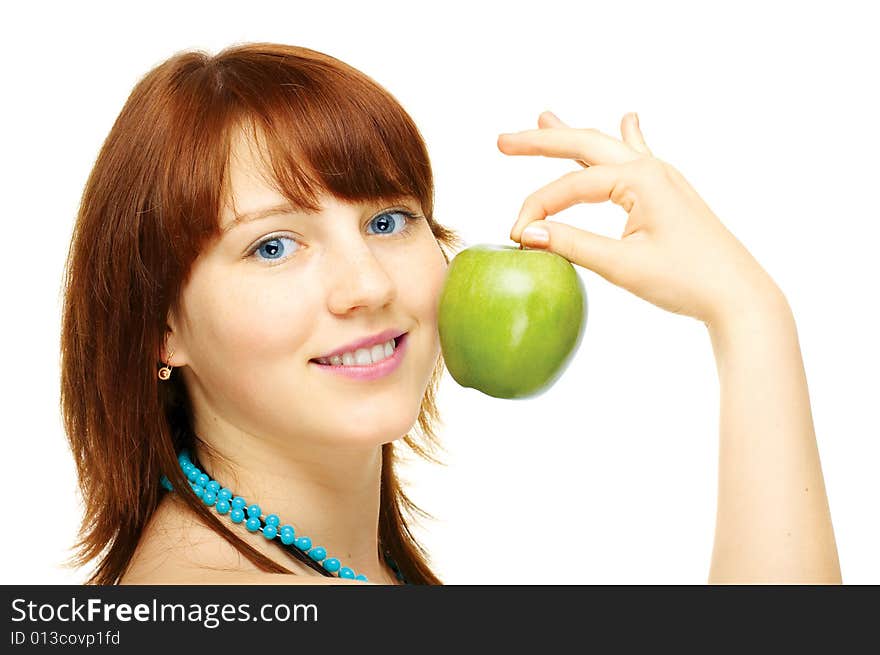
point(259, 227)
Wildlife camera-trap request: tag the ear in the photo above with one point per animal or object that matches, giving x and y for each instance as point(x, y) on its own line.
point(173, 348)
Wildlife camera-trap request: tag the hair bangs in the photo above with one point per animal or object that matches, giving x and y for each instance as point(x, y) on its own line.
point(321, 128)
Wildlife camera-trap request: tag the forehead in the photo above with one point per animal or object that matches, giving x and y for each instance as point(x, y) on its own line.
point(251, 188)
point(249, 182)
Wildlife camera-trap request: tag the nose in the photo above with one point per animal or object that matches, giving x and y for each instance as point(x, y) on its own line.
point(358, 279)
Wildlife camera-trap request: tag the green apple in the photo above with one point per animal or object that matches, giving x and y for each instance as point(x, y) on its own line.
point(510, 319)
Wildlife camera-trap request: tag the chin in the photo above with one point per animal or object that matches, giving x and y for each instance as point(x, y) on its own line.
point(370, 430)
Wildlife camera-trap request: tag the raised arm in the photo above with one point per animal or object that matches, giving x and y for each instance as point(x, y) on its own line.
point(773, 523)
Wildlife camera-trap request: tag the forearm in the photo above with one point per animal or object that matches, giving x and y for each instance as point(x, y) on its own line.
point(773, 523)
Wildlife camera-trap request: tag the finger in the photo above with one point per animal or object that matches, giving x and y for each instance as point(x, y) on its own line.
point(594, 184)
point(549, 119)
point(632, 134)
point(601, 254)
point(589, 145)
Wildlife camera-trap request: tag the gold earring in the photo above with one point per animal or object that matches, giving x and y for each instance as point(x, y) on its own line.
point(165, 371)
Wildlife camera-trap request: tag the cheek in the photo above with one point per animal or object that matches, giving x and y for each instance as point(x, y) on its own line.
point(242, 326)
point(422, 289)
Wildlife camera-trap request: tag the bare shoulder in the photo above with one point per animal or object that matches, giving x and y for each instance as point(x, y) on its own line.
point(212, 577)
point(172, 547)
point(176, 548)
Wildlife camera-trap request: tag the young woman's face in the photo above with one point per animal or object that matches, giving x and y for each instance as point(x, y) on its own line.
point(275, 293)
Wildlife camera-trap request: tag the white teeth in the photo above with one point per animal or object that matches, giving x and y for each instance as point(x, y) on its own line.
point(361, 356)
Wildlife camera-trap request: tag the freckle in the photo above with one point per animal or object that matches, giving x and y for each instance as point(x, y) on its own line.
point(788, 533)
point(806, 488)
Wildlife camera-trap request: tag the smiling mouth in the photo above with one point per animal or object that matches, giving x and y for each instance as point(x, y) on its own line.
point(363, 357)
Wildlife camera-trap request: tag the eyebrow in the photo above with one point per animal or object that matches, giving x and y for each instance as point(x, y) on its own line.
point(266, 212)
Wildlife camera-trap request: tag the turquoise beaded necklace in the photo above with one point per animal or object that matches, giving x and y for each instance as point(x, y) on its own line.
point(226, 503)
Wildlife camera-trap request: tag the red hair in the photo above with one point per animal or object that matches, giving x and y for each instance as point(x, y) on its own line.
point(151, 203)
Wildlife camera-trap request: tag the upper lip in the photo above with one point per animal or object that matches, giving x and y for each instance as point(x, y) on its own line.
point(365, 342)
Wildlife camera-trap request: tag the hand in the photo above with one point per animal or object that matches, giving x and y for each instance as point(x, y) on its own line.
point(674, 252)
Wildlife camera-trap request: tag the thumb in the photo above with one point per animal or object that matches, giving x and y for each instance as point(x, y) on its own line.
point(595, 252)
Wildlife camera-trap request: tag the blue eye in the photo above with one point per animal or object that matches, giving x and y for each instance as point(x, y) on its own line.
point(272, 248)
point(386, 226)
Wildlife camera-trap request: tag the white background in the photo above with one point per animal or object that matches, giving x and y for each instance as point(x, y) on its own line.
point(769, 110)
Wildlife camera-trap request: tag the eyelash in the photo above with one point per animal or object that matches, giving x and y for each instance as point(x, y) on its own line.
point(411, 217)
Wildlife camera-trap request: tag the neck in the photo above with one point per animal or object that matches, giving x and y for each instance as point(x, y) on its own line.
point(330, 495)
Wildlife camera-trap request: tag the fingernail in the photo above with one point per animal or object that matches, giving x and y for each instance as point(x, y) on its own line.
point(535, 236)
point(636, 118)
